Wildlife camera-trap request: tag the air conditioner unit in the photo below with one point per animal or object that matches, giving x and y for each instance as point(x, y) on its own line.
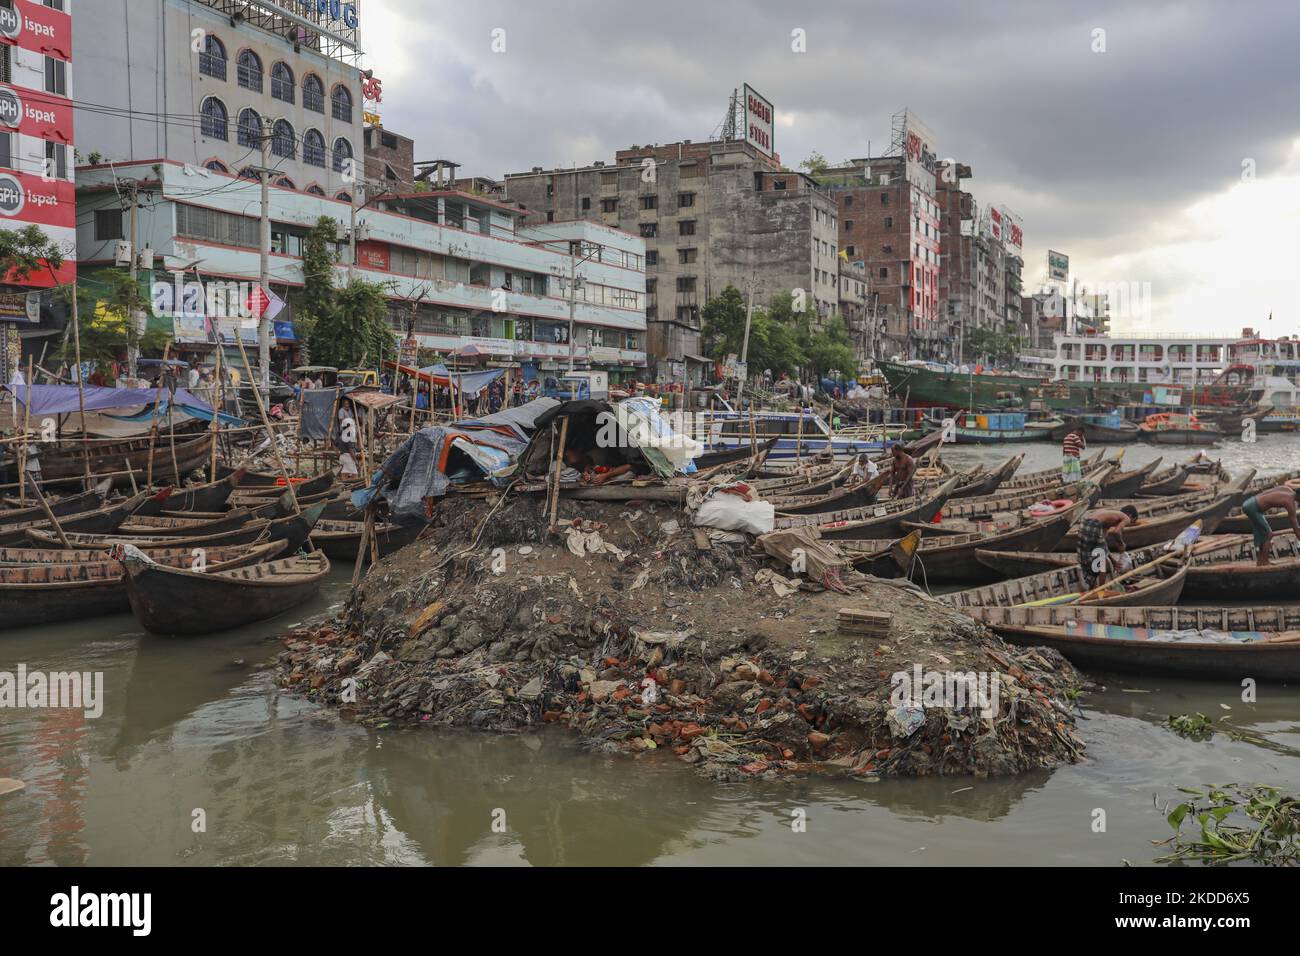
point(145, 260)
point(123, 257)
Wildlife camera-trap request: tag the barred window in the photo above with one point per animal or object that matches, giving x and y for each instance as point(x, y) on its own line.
point(283, 141)
point(341, 103)
point(213, 121)
point(212, 61)
point(249, 130)
point(342, 153)
point(313, 93)
point(313, 148)
point(282, 82)
point(249, 72)
point(193, 222)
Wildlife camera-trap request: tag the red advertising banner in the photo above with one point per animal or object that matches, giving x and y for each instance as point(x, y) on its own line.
point(34, 26)
point(26, 198)
point(35, 113)
point(373, 255)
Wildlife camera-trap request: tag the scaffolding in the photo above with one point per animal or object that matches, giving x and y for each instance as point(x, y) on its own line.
point(898, 134)
point(732, 126)
point(302, 22)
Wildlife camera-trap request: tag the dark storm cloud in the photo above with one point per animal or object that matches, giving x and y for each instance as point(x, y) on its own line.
point(1088, 147)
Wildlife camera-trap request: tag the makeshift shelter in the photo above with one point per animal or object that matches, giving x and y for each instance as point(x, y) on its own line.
point(64, 400)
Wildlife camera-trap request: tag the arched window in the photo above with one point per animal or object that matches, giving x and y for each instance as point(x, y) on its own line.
point(313, 148)
point(346, 197)
point(249, 129)
point(315, 190)
point(212, 61)
point(250, 172)
point(341, 103)
point(342, 153)
point(313, 93)
point(282, 82)
point(213, 120)
point(285, 183)
point(249, 72)
point(283, 141)
point(217, 166)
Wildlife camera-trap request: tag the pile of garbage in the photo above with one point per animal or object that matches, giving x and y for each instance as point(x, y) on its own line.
point(649, 636)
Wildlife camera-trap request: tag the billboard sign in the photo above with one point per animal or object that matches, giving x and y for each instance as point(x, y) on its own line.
point(920, 151)
point(758, 121)
point(1013, 233)
point(1058, 266)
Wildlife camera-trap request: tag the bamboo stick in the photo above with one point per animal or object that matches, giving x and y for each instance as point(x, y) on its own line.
point(27, 421)
point(559, 465)
point(275, 448)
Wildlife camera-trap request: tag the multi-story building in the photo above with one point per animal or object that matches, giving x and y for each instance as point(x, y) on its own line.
point(853, 307)
point(892, 224)
point(712, 214)
point(1179, 359)
point(200, 81)
point(390, 160)
point(457, 268)
point(36, 164)
point(958, 277)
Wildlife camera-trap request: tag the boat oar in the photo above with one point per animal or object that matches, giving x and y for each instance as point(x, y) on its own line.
point(1207, 546)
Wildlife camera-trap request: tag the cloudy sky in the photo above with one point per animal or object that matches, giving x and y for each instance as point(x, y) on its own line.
point(1152, 143)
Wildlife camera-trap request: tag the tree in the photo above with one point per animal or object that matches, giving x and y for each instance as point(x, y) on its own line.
point(831, 350)
point(992, 345)
point(105, 304)
point(24, 251)
point(815, 164)
point(773, 338)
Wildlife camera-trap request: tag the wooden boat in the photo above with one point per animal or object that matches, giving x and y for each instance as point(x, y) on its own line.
point(204, 498)
point(950, 558)
point(1000, 428)
point(986, 483)
point(739, 454)
point(837, 499)
point(1123, 484)
point(173, 601)
point(151, 525)
point(819, 481)
point(1169, 428)
point(1227, 572)
point(67, 505)
point(340, 539)
point(1099, 429)
point(1237, 523)
point(66, 462)
point(1162, 585)
point(101, 520)
point(10, 557)
point(65, 591)
point(984, 509)
point(1161, 519)
point(1233, 421)
point(1169, 481)
point(294, 530)
point(1215, 643)
point(303, 489)
point(873, 521)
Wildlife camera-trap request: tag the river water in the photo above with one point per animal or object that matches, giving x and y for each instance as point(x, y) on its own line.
point(195, 729)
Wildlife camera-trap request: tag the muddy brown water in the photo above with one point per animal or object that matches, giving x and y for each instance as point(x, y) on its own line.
point(194, 727)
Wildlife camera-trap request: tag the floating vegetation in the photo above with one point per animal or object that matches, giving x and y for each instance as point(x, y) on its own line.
point(1191, 726)
point(1236, 823)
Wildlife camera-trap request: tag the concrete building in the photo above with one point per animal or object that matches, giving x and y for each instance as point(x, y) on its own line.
point(458, 269)
point(892, 225)
point(712, 214)
point(390, 160)
point(36, 166)
point(853, 306)
point(1183, 360)
point(198, 81)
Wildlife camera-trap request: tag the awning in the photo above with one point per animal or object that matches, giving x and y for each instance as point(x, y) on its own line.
point(699, 358)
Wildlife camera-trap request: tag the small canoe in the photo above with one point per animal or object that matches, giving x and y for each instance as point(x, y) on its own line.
point(1124, 484)
point(873, 521)
point(1161, 585)
point(340, 539)
point(1161, 519)
point(59, 507)
point(1195, 642)
point(100, 520)
point(10, 557)
point(978, 509)
point(294, 530)
point(1169, 481)
point(43, 593)
point(172, 601)
point(727, 456)
point(303, 489)
point(986, 483)
point(210, 497)
point(151, 525)
point(837, 499)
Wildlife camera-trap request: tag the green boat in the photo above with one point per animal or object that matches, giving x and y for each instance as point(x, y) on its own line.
point(922, 385)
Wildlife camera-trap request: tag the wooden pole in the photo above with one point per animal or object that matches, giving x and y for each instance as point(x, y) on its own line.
point(54, 522)
point(270, 433)
point(153, 424)
point(559, 465)
point(216, 427)
point(81, 385)
point(27, 421)
point(135, 489)
point(367, 530)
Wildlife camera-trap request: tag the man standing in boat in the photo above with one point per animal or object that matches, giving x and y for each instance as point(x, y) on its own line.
point(1096, 532)
point(904, 470)
point(1256, 507)
point(1073, 446)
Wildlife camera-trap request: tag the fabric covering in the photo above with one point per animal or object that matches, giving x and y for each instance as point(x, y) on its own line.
point(420, 463)
point(467, 383)
point(317, 406)
point(63, 399)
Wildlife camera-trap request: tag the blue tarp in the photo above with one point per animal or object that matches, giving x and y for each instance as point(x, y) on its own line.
point(192, 410)
point(468, 383)
point(63, 399)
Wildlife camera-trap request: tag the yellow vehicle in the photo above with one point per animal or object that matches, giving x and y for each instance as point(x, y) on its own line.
point(350, 377)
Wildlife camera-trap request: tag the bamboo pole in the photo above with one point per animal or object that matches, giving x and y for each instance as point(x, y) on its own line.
point(135, 489)
point(54, 522)
point(559, 465)
point(27, 421)
point(216, 428)
point(81, 385)
point(270, 434)
point(153, 423)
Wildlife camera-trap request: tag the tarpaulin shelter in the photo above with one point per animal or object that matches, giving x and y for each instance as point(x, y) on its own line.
point(468, 384)
point(63, 400)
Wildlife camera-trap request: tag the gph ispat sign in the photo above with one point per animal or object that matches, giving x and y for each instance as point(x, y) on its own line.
point(34, 26)
point(35, 113)
point(28, 198)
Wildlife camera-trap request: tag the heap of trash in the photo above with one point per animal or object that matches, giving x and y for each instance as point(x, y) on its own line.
point(648, 632)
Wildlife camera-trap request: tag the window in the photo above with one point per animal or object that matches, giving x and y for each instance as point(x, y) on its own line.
point(108, 225)
point(650, 286)
point(6, 148)
point(609, 179)
point(249, 71)
point(686, 227)
point(652, 257)
point(213, 119)
point(848, 200)
point(341, 103)
point(889, 222)
point(649, 230)
point(586, 202)
point(550, 215)
point(649, 202)
point(686, 283)
point(313, 148)
point(346, 197)
point(609, 205)
point(550, 190)
point(315, 190)
point(212, 61)
point(685, 256)
point(342, 155)
point(848, 225)
point(283, 141)
point(217, 166)
point(884, 198)
point(313, 93)
point(282, 82)
point(284, 182)
point(223, 227)
point(56, 76)
point(248, 132)
point(851, 250)
point(884, 273)
point(778, 184)
point(56, 160)
point(250, 172)
point(685, 200)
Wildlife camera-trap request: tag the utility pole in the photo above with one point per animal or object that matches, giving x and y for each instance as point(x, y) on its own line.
point(133, 347)
point(264, 264)
point(352, 230)
point(744, 346)
point(573, 306)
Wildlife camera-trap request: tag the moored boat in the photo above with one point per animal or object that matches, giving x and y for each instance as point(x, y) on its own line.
point(1159, 585)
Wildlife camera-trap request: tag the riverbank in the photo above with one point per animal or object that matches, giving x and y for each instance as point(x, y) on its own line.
point(657, 646)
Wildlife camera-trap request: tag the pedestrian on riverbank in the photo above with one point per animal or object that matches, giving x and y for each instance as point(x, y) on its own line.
point(1097, 531)
point(904, 470)
point(1256, 507)
point(1071, 449)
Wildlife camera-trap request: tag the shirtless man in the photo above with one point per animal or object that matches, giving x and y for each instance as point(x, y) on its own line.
point(1096, 532)
point(1255, 508)
point(904, 469)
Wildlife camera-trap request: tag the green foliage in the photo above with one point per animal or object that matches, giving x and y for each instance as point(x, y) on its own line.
point(104, 304)
point(815, 164)
point(831, 350)
point(342, 326)
point(992, 345)
point(780, 337)
point(1236, 823)
point(21, 250)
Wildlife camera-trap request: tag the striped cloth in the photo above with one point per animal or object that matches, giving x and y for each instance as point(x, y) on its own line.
point(1074, 444)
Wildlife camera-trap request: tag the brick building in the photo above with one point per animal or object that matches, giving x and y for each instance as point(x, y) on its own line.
point(712, 214)
point(390, 159)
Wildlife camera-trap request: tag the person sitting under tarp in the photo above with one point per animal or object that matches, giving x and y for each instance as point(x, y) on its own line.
point(600, 465)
